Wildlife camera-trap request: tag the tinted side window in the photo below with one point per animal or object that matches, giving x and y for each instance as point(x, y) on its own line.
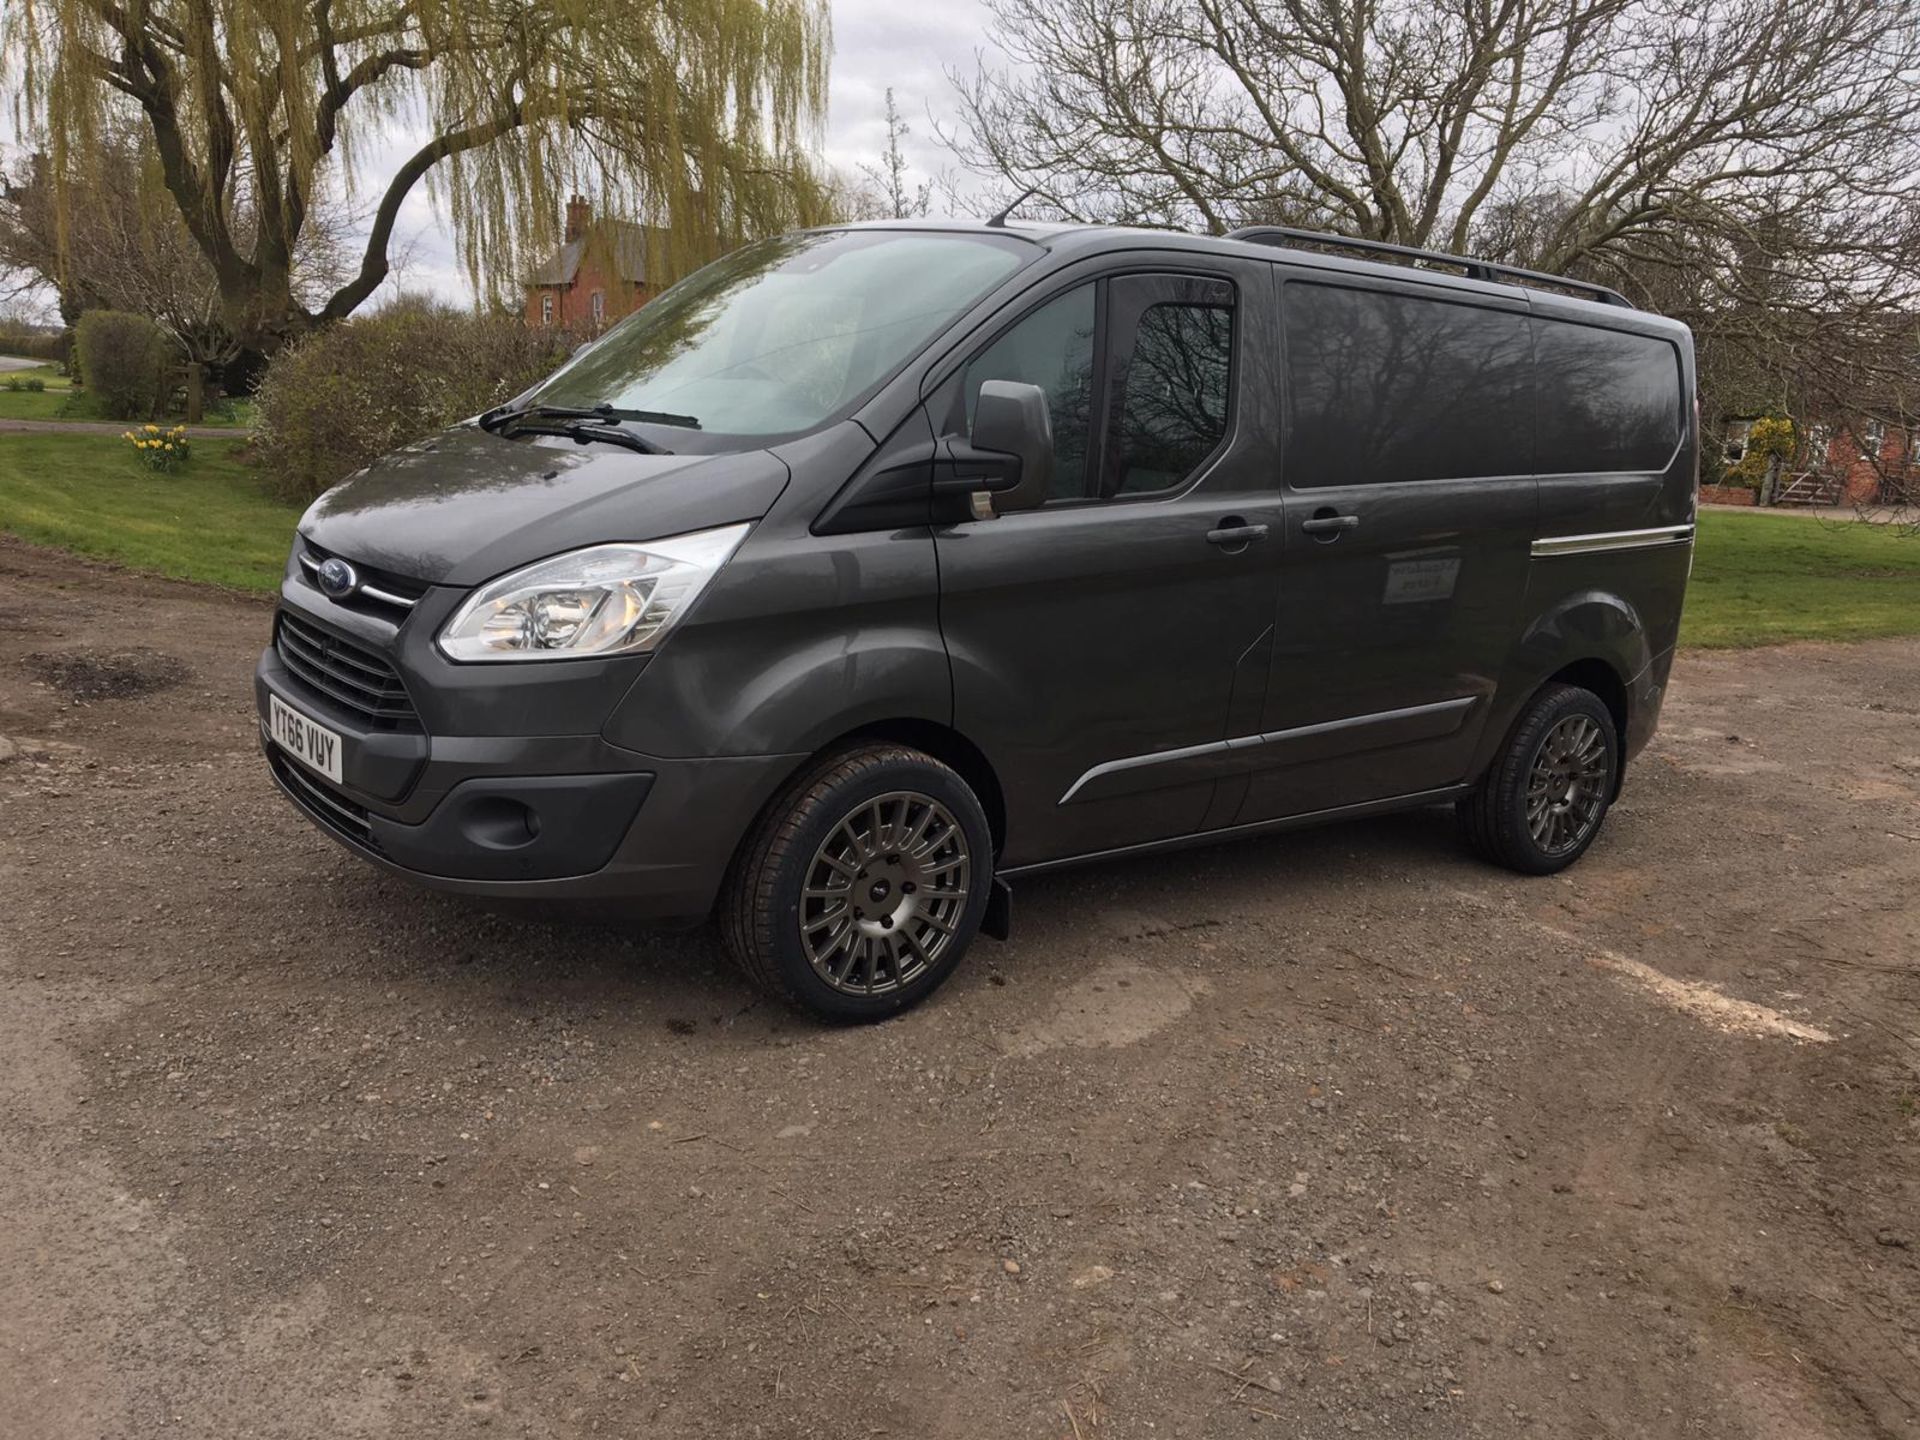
point(1608, 400)
point(1051, 348)
point(1387, 387)
point(1173, 400)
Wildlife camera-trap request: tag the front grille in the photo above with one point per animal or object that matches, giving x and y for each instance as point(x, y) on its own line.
point(324, 803)
point(358, 680)
point(382, 592)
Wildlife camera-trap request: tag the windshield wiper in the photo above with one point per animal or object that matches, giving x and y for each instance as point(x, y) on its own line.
point(581, 432)
point(502, 416)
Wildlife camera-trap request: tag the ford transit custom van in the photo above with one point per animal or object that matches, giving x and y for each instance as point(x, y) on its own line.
point(869, 569)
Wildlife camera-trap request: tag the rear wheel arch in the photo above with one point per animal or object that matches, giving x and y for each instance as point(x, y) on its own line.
point(1599, 676)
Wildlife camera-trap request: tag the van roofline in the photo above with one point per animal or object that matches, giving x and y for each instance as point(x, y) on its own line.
point(1484, 277)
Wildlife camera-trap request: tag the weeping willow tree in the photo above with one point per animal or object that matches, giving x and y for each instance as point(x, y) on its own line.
point(697, 113)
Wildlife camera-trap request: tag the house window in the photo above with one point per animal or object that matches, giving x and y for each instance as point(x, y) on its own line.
point(598, 306)
point(546, 308)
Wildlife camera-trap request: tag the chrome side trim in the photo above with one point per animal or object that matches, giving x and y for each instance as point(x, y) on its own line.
point(1273, 737)
point(1613, 540)
point(372, 592)
point(1154, 757)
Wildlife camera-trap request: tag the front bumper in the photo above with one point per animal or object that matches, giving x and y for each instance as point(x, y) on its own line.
point(543, 817)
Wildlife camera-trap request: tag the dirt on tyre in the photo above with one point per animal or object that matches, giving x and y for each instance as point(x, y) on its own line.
point(861, 885)
point(1548, 791)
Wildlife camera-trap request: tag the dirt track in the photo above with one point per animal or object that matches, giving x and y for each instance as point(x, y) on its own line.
point(1410, 1146)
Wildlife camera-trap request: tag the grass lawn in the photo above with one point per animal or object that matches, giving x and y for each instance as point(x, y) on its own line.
point(208, 522)
point(49, 375)
point(1764, 579)
point(59, 401)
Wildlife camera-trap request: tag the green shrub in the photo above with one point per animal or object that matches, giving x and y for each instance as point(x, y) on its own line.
point(53, 346)
point(1768, 436)
point(122, 359)
point(34, 385)
point(342, 397)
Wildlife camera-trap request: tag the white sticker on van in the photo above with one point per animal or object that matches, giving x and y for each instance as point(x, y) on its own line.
point(1413, 582)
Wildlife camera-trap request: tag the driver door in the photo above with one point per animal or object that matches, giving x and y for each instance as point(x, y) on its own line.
point(1105, 645)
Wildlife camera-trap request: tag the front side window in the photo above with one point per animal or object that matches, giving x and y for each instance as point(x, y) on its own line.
point(784, 333)
point(1158, 348)
point(1051, 348)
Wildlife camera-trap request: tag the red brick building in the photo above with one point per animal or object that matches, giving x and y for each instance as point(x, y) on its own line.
point(1848, 455)
point(1853, 462)
point(598, 275)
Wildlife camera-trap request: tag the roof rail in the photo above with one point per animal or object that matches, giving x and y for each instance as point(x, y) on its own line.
point(1286, 237)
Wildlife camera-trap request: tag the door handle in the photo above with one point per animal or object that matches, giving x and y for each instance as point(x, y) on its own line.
point(1233, 532)
point(1327, 524)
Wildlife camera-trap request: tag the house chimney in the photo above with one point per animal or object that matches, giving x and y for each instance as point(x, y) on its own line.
point(578, 213)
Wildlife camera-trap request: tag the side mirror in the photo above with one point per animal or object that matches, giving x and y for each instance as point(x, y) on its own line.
point(1012, 418)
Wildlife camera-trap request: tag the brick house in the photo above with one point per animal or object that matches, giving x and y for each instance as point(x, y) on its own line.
point(598, 274)
point(1837, 462)
point(1847, 454)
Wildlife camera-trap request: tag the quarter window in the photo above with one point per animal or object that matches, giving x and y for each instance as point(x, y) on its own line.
point(1385, 387)
point(1609, 401)
point(1173, 398)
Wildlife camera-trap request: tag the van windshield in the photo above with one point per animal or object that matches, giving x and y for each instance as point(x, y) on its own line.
point(781, 334)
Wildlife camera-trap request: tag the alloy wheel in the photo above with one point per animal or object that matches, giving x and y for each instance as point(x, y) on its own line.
point(1567, 787)
point(884, 894)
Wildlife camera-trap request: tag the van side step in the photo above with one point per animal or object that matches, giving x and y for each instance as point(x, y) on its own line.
point(998, 921)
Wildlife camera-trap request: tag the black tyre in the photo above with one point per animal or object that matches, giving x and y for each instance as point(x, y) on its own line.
point(861, 885)
point(1544, 799)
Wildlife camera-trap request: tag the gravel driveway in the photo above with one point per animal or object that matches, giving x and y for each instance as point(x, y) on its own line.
point(1335, 1133)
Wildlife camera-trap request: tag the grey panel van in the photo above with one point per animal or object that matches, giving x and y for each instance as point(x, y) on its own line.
point(869, 569)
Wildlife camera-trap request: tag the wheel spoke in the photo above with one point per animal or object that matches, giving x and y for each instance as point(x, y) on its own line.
point(904, 859)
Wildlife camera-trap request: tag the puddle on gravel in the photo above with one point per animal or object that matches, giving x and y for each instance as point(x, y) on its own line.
point(106, 674)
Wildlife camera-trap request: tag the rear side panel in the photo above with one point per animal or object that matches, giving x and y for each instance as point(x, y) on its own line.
point(1618, 449)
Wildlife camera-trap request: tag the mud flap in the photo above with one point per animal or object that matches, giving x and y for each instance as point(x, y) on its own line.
point(998, 921)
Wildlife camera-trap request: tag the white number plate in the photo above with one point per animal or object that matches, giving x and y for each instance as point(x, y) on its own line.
point(313, 745)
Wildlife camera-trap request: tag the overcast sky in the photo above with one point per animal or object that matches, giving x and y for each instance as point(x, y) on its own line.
point(876, 43)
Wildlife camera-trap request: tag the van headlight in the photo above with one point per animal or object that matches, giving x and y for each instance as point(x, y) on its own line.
point(607, 600)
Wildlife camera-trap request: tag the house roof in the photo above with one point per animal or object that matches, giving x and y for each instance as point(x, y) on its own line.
point(623, 240)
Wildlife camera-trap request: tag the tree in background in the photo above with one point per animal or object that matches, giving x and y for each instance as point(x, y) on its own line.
point(118, 243)
point(898, 197)
point(700, 113)
point(1745, 165)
